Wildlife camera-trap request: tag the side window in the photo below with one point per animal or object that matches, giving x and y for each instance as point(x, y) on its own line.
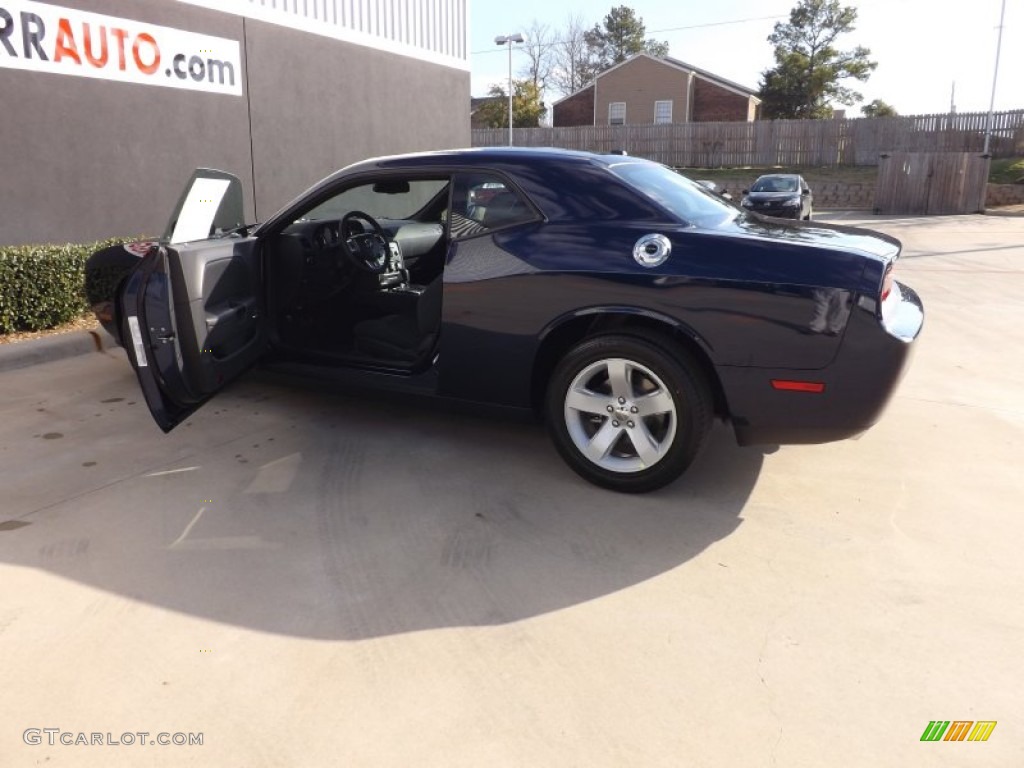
point(617, 113)
point(482, 203)
point(662, 112)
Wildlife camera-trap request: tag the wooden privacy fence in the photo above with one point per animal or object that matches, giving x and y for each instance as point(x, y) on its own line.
point(853, 141)
point(933, 183)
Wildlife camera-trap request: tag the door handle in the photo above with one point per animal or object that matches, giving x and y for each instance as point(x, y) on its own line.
point(234, 311)
point(163, 335)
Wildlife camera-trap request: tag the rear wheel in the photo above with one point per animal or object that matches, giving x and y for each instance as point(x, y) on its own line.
point(628, 414)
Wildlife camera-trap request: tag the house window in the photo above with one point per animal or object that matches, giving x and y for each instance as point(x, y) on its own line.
point(663, 111)
point(617, 113)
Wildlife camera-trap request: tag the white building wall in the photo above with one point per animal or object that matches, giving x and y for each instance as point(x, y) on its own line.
point(432, 30)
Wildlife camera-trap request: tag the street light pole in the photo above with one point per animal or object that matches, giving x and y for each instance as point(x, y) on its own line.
point(995, 78)
point(509, 40)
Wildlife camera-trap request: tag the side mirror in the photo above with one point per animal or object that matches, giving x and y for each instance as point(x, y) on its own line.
point(745, 192)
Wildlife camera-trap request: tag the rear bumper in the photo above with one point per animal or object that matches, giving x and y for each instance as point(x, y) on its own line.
point(876, 351)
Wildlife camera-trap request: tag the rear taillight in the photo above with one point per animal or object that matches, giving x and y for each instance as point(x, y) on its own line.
point(887, 282)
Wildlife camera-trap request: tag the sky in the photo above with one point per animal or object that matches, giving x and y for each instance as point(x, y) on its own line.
point(921, 46)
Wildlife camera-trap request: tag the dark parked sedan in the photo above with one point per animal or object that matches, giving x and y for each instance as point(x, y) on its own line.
point(609, 294)
point(783, 195)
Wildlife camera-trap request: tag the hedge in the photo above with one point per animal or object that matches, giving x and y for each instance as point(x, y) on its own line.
point(43, 286)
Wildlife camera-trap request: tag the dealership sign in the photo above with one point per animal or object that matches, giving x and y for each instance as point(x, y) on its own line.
point(47, 38)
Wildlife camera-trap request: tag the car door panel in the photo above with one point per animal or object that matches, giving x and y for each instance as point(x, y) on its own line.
point(228, 311)
point(194, 316)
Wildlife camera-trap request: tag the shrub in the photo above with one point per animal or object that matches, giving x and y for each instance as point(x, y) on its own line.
point(1008, 170)
point(43, 286)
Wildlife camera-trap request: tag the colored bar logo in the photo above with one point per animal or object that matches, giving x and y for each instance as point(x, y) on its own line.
point(958, 730)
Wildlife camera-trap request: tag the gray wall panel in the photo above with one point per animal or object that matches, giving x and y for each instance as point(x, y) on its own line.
point(84, 163)
point(336, 103)
point(84, 159)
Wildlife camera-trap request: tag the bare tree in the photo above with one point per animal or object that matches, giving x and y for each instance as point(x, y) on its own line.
point(574, 65)
point(540, 53)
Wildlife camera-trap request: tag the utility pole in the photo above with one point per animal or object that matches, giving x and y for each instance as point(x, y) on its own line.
point(995, 78)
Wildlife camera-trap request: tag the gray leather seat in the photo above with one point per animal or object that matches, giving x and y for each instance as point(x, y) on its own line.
point(404, 337)
point(504, 208)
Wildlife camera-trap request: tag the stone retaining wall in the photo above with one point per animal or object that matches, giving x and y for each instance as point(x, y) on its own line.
point(839, 194)
point(1004, 194)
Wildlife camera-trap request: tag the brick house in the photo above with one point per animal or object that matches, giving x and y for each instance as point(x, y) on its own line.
point(646, 89)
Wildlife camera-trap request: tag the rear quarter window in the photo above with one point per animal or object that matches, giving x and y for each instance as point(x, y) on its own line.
point(681, 197)
point(483, 203)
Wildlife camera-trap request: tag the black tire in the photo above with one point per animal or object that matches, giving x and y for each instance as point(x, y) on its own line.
point(653, 358)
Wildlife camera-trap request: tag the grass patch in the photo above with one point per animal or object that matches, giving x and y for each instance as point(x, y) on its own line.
point(1008, 170)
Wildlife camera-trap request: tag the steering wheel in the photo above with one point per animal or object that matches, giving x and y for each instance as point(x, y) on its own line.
point(368, 251)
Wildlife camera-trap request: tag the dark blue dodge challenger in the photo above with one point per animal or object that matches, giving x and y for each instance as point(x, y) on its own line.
point(623, 302)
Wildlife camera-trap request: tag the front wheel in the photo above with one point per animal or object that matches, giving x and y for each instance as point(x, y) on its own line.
point(627, 413)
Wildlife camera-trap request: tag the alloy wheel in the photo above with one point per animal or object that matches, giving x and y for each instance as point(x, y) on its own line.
point(620, 415)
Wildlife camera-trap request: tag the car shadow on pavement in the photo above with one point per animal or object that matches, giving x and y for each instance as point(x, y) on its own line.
point(335, 516)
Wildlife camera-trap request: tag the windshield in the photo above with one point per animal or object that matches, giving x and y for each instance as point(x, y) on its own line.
point(775, 184)
point(684, 198)
point(382, 201)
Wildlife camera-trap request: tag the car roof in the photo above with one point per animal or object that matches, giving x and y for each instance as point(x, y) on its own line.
point(490, 156)
point(509, 154)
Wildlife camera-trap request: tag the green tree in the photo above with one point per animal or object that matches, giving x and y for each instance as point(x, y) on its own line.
point(619, 36)
point(878, 108)
point(809, 70)
point(527, 107)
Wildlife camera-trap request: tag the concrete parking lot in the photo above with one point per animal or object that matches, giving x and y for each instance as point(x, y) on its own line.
point(310, 579)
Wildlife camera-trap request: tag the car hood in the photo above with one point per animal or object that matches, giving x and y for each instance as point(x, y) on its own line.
point(866, 242)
